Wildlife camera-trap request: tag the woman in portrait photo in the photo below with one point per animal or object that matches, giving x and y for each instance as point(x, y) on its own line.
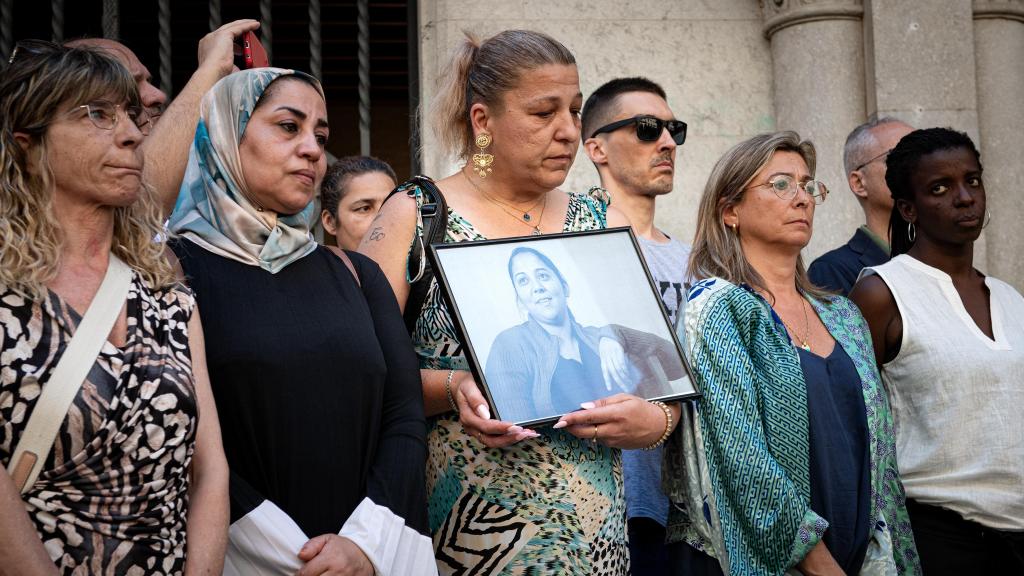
point(550, 363)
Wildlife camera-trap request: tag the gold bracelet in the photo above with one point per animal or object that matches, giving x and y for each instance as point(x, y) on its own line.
point(668, 425)
point(448, 390)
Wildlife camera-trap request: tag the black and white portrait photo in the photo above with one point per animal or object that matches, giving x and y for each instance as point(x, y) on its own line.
point(558, 321)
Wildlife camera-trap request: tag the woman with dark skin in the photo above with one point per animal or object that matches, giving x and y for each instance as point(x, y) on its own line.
point(949, 342)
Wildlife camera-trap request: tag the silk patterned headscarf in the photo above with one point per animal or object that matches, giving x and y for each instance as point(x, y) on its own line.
point(213, 208)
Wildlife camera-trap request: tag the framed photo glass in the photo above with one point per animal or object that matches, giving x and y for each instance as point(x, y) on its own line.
point(552, 321)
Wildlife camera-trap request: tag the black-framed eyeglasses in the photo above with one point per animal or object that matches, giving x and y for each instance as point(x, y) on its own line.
point(103, 115)
point(648, 128)
point(879, 157)
point(786, 188)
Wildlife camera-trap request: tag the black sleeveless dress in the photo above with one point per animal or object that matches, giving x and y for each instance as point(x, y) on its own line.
point(316, 384)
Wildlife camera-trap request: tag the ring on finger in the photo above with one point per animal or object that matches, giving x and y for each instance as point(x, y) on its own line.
point(594, 439)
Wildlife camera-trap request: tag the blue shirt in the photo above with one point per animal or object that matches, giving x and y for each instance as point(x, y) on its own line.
point(839, 462)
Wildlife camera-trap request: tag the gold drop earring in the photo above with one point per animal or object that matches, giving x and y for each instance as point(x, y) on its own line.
point(482, 160)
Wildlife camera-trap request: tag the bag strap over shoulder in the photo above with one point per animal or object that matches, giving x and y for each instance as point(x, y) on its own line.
point(67, 378)
point(433, 212)
point(347, 261)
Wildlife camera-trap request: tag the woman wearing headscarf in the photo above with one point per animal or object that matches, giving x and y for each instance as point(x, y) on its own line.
point(309, 357)
point(787, 462)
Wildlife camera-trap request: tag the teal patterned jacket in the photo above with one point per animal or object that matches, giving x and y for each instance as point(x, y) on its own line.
point(736, 469)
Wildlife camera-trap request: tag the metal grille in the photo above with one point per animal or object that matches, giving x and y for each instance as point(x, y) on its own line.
point(360, 50)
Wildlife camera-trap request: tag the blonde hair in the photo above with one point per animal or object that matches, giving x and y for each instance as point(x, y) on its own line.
point(716, 249)
point(483, 72)
point(39, 82)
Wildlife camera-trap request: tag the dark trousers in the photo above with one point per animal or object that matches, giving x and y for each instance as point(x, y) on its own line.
point(685, 560)
point(647, 555)
point(948, 544)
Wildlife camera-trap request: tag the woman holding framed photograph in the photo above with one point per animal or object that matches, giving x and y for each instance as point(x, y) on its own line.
point(553, 502)
point(788, 460)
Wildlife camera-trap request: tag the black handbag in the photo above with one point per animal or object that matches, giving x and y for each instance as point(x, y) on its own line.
point(434, 214)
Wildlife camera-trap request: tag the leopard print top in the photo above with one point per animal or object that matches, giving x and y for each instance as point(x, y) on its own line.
point(112, 497)
point(550, 505)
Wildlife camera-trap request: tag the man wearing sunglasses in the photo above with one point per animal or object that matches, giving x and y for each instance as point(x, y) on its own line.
point(631, 137)
point(864, 156)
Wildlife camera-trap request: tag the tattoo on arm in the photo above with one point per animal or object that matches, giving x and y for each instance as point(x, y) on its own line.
point(377, 234)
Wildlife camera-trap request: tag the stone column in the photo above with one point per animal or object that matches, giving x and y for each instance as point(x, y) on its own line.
point(818, 62)
point(999, 58)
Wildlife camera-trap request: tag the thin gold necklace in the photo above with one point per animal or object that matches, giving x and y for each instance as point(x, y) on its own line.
point(807, 326)
point(525, 219)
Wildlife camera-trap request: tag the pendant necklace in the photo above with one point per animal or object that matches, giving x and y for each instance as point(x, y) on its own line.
point(807, 327)
point(525, 218)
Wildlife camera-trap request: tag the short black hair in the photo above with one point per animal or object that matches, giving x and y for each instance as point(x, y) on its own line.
point(339, 174)
point(901, 166)
point(601, 104)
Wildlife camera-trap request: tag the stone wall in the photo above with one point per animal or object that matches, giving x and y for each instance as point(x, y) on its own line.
point(735, 68)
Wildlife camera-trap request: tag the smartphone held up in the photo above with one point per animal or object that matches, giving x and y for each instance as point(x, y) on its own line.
point(249, 52)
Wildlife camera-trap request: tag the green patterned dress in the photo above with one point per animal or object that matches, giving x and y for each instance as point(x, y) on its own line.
point(549, 505)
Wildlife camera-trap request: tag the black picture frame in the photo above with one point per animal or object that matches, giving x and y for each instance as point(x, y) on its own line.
point(476, 278)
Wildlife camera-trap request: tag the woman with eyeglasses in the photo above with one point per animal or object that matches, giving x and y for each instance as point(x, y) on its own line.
point(503, 499)
point(949, 342)
point(787, 462)
point(136, 480)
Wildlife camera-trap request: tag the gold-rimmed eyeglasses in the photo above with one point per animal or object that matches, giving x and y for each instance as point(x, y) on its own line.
point(786, 188)
point(103, 114)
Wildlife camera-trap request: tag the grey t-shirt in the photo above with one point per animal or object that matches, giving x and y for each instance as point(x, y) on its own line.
point(641, 469)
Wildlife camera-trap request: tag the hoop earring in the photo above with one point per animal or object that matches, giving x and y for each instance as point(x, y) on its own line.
point(482, 160)
point(734, 227)
point(911, 231)
point(988, 219)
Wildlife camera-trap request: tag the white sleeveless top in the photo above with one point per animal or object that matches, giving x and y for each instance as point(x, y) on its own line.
point(957, 396)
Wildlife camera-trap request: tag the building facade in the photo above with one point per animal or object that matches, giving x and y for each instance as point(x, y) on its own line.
point(732, 69)
point(735, 68)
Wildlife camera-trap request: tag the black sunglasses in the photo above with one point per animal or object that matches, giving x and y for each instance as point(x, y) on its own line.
point(33, 48)
point(648, 128)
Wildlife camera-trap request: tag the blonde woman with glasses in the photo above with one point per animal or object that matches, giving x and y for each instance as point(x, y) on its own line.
point(135, 481)
point(787, 463)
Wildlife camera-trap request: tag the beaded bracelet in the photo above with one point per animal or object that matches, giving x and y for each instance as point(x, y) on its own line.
point(448, 390)
point(668, 425)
